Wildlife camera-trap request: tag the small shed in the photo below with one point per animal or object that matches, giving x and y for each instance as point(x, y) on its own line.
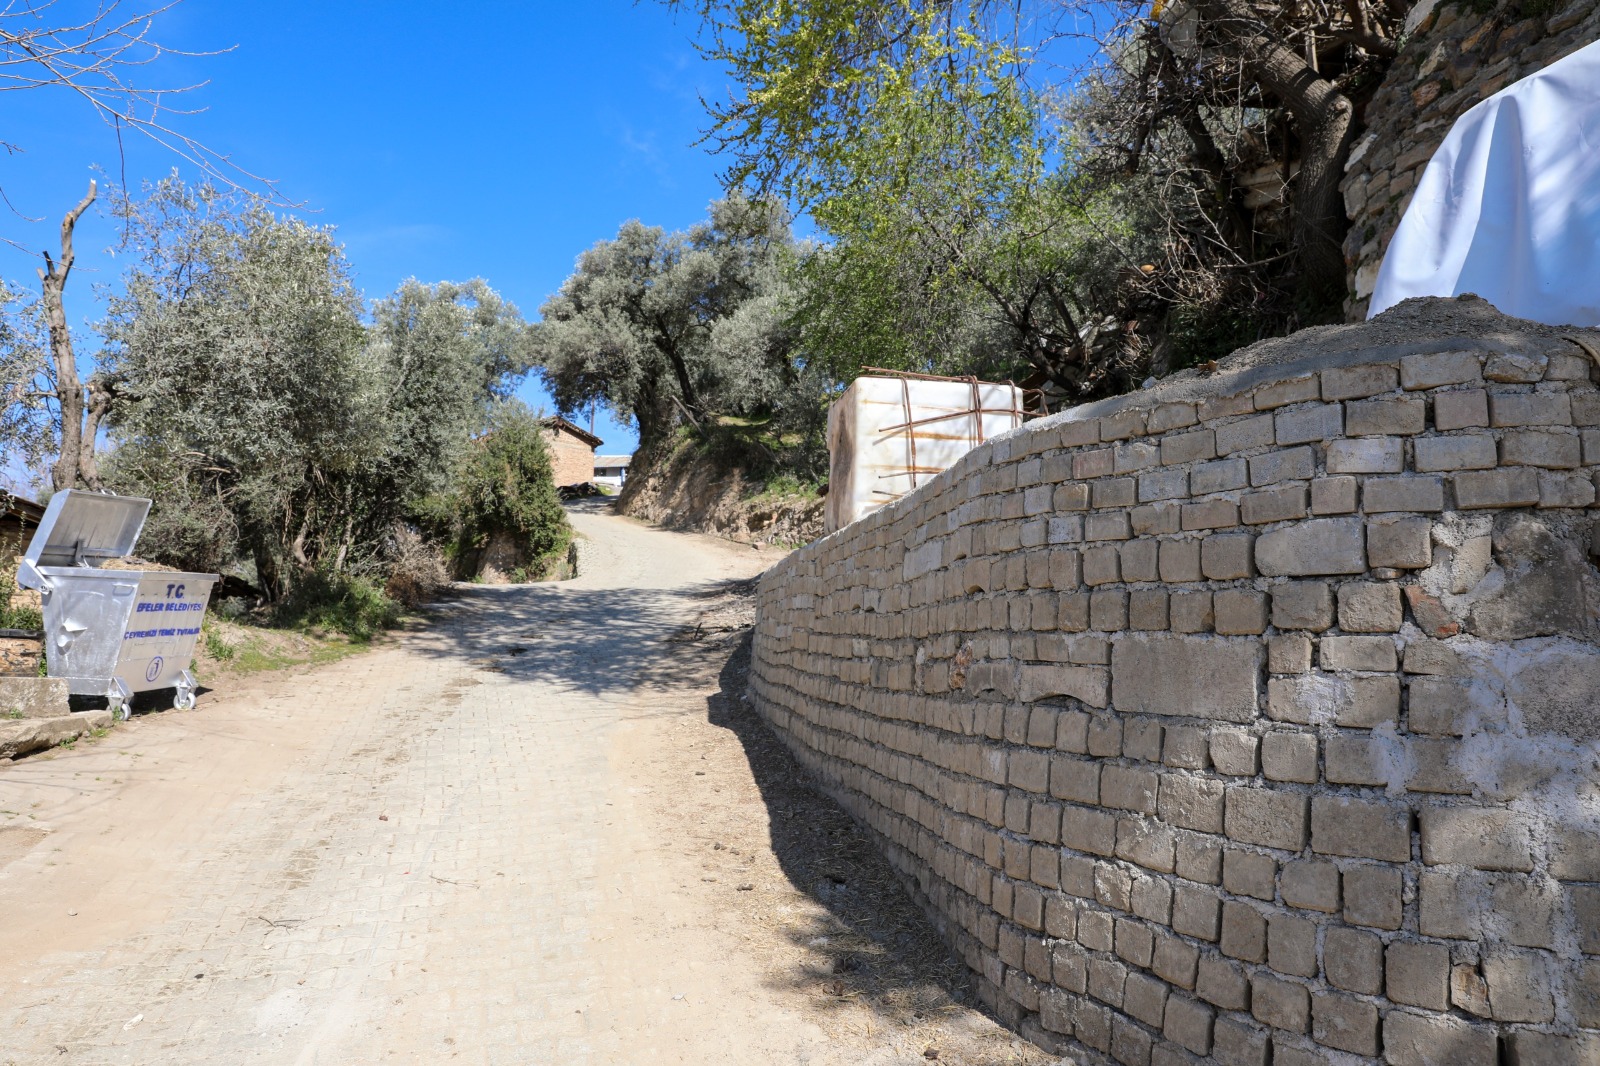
point(19, 517)
point(571, 451)
point(611, 470)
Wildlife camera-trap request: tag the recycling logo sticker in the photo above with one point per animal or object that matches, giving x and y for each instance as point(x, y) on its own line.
point(155, 669)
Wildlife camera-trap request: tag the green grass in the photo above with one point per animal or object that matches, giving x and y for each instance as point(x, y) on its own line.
point(218, 648)
point(251, 657)
point(338, 603)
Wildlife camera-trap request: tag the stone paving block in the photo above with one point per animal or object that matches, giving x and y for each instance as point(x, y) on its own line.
point(1530, 409)
point(1238, 1043)
point(1496, 488)
point(1281, 1004)
point(1529, 1048)
point(1289, 653)
point(1439, 368)
point(1374, 896)
point(1292, 945)
point(1356, 382)
point(1226, 556)
point(1334, 495)
point(1402, 415)
point(1287, 464)
point(1222, 983)
point(1234, 753)
point(1402, 542)
point(1467, 409)
point(1302, 605)
point(1311, 423)
point(1373, 455)
point(1413, 493)
point(1486, 839)
point(1468, 451)
point(1289, 757)
point(1519, 987)
point(1310, 884)
point(1541, 447)
point(1345, 1023)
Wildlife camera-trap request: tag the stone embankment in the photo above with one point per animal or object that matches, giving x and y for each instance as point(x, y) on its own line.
point(686, 489)
point(1247, 719)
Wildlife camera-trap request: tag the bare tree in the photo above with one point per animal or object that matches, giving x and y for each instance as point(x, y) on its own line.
point(96, 49)
point(76, 461)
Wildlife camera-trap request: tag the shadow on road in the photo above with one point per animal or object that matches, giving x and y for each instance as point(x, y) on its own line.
point(599, 642)
point(878, 943)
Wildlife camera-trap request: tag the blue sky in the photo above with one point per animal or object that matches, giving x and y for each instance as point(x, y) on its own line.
point(445, 141)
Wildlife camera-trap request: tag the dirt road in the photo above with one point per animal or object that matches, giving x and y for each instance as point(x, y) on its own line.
point(538, 828)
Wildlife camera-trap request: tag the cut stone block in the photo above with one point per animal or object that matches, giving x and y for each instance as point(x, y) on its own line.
point(1194, 678)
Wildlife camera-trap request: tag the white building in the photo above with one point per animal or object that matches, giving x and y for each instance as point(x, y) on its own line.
point(611, 470)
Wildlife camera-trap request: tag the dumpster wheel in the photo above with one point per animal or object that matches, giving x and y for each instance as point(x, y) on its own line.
point(119, 699)
point(183, 694)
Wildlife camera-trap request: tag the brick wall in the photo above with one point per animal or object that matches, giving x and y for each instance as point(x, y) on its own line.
point(571, 460)
point(1248, 719)
point(1456, 57)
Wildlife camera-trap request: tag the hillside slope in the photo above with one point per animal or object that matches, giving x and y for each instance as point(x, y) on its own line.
point(687, 489)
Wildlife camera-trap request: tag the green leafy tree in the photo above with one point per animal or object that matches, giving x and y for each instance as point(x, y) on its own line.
point(669, 328)
point(269, 422)
point(1047, 117)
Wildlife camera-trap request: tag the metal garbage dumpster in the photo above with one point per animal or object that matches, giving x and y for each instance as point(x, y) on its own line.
point(107, 632)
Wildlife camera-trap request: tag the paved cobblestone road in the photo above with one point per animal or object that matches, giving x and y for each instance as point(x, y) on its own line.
point(420, 854)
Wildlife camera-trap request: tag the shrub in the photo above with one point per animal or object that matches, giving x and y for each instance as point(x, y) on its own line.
point(15, 616)
point(505, 486)
point(418, 570)
point(354, 606)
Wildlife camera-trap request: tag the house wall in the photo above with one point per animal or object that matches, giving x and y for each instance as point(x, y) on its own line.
point(571, 460)
point(1247, 719)
point(1455, 58)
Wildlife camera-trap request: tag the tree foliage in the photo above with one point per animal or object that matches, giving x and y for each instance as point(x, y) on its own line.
point(664, 328)
point(504, 487)
point(267, 418)
point(1086, 179)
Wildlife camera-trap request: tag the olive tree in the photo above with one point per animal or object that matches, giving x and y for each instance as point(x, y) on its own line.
point(270, 421)
point(636, 325)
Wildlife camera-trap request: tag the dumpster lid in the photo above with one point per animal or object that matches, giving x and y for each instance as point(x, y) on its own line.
point(85, 529)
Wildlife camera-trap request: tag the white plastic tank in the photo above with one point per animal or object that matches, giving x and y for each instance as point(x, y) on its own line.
point(889, 433)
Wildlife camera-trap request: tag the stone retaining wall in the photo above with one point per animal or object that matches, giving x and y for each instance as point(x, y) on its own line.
point(1248, 719)
point(1455, 57)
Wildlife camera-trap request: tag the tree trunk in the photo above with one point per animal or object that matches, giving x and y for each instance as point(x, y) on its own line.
point(1324, 116)
point(68, 468)
point(100, 397)
point(690, 403)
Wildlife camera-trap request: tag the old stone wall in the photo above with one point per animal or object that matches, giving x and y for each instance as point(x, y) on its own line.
point(1247, 719)
point(1457, 55)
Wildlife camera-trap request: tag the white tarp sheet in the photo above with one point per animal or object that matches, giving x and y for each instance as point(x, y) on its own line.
point(887, 435)
point(1509, 206)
